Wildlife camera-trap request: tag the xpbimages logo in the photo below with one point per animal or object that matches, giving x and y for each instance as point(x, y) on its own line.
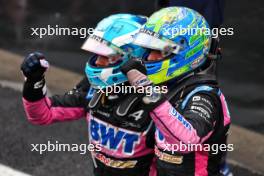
point(61, 31)
point(214, 32)
point(127, 89)
point(60, 147)
point(212, 148)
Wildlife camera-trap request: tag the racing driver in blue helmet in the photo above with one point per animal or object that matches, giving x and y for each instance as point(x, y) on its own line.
point(119, 127)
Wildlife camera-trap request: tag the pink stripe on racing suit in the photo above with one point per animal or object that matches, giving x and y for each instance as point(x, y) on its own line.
point(125, 150)
point(201, 117)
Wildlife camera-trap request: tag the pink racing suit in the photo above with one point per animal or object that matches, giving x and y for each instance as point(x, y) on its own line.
point(197, 114)
point(126, 146)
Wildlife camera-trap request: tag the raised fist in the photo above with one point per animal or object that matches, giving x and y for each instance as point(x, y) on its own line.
point(34, 66)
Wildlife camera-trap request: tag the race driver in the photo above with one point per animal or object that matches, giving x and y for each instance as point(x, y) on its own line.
point(124, 132)
point(194, 111)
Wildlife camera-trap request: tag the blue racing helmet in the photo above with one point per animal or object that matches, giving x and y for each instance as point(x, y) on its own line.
point(112, 38)
point(183, 37)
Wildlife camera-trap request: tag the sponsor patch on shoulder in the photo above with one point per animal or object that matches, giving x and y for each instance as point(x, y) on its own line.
point(182, 120)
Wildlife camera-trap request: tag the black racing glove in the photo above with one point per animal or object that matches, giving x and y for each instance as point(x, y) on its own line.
point(136, 73)
point(33, 68)
point(134, 63)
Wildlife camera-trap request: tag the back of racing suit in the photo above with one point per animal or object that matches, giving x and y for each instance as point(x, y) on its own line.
point(196, 113)
point(124, 131)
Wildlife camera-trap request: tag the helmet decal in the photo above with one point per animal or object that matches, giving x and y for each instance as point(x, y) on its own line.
point(112, 37)
point(180, 33)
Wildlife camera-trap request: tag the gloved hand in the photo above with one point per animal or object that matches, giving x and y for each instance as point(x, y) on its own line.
point(34, 66)
point(136, 72)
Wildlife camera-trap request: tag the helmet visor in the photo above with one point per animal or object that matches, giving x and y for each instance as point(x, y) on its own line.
point(100, 46)
point(151, 40)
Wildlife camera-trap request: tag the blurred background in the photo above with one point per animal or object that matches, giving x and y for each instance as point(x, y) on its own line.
point(241, 73)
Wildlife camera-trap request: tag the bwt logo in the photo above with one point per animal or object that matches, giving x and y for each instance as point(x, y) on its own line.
point(112, 137)
point(174, 112)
